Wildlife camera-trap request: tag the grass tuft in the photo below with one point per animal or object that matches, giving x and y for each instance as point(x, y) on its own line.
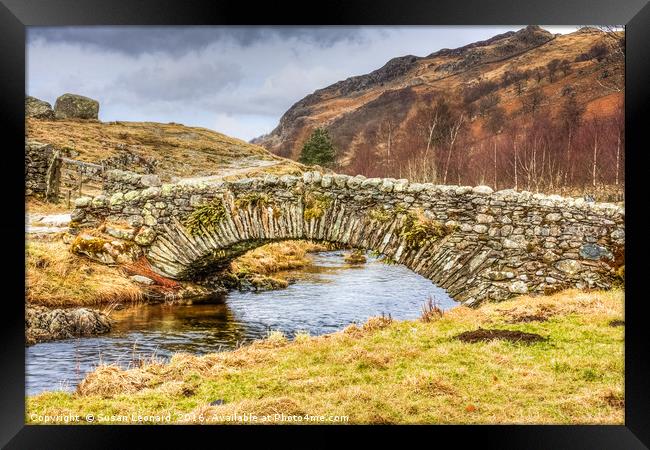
point(418, 230)
point(206, 216)
point(315, 205)
point(431, 311)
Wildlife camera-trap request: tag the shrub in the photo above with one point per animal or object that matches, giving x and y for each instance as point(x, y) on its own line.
point(253, 199)
point(478, 90)
point(597, 51)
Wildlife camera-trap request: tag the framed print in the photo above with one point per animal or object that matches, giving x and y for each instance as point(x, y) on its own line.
point(379, 215)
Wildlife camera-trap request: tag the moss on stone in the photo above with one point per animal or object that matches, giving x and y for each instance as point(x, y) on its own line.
point(207, 216)
point(383, 258)
point(381, 214)
point(254, 199)
point(87, 245)
point(315, 205)
point(419, 230)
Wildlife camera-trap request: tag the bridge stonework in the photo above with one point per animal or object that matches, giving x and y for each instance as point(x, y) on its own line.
point(494, 245)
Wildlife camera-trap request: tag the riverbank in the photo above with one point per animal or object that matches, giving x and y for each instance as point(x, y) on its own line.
point(58, 278)
point(566, 366)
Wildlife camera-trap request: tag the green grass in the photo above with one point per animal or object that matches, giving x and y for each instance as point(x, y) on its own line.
point(391, 372)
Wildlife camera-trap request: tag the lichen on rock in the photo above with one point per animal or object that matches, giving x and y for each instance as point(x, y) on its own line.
point(38, 109)
point(73, 106)
point(45, 324)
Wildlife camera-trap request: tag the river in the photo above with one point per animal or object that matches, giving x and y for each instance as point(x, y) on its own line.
point(326, 297)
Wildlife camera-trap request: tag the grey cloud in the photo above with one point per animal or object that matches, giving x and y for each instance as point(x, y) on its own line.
point(135, 41)
point(178, 83)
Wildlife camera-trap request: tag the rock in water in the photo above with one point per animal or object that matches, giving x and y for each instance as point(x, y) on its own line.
point(355, 258)
point(44, 324)
point(38, 108)
point(141, 279)
point(72, 106)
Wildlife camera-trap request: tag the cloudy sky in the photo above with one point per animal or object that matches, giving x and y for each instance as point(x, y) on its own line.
point(236, 80)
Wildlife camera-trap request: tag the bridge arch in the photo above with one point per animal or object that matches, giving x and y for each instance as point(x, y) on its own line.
point(477, 244)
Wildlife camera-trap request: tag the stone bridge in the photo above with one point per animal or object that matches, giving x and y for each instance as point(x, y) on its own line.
point(477, 244)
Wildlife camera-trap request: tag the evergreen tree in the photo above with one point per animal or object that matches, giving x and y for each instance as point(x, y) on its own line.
point(318, 149)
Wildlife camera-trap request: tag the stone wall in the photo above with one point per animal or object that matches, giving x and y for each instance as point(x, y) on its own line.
point(496, 245)
point(42, 169)
point(124, 181)
point(125, 159)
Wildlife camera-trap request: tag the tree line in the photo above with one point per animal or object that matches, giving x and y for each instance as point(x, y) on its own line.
point(541, 144)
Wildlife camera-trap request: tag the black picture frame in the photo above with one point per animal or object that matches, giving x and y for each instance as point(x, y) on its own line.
point(15, 15)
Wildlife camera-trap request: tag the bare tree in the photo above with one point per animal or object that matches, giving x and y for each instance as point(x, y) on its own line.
point(565, 67)
point(614, 40)
point(552, 67)
point(570, 116)
point(495, 124)
point(519, 86)
point(531, 103)
point(453, 136)
point(488, 102)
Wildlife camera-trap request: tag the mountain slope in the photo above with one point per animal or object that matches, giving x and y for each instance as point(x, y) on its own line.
point(384, 108)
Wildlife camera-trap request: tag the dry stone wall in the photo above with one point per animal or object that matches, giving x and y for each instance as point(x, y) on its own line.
point(124, 181)
point(491, 245)
point(42, 169)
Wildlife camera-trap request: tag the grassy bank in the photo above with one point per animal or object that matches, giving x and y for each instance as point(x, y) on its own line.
point(57, 277)
point(264, 265)
point(391, 372)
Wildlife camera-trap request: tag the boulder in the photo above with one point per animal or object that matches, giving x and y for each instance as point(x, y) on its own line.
point(44, 324)
point(72, 106)
point(38, 108)
point(141, 279)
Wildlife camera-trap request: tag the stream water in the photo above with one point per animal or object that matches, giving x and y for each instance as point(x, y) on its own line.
point(323, 298)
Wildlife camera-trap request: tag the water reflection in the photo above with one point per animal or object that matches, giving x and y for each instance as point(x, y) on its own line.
point(324, 298)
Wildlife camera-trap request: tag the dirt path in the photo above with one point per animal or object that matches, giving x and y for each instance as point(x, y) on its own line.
point(249, 164)
point(46, 223)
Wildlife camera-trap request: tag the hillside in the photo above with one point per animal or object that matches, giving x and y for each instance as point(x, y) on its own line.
point(380, 122)
point(176, 151)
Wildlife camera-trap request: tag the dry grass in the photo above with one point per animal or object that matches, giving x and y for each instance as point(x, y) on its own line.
point(391, 372)
point(37, 206)
point(56, 277)
point(276, 257)
point(431, 311)
point(181, 151)
point(143, 267)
